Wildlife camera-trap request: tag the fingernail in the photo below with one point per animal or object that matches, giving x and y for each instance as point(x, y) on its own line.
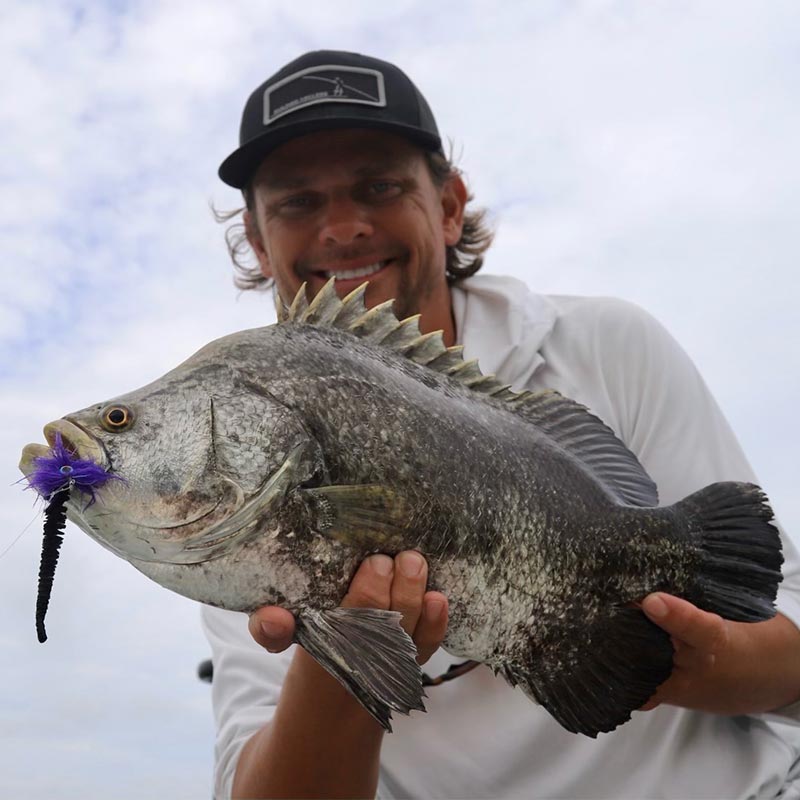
point(434, 609)
point(272, 630)
point(655, 607)
point(410, 564)
point(381, 564)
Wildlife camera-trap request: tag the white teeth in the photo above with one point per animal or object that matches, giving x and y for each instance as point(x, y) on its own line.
point(361, 272)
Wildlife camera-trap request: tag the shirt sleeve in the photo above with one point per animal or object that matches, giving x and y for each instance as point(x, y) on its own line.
point(245, 688)
point(638, 379)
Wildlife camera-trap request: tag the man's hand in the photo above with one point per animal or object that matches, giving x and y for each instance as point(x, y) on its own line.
point(317, 721)
point(381, 582)
point(698, 638)
point(725, 667)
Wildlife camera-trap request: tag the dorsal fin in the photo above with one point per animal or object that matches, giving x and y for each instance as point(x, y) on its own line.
point(581, 433)
point(450, 358)
point(404, 334)
point(352, 308)
point(425, 348)
point(566, 422)
point(281, 309)
point(322, 310)
point(298, 306)
point(377, 323)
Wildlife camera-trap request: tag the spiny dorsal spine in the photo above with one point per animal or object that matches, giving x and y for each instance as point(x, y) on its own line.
point(380, 325)
point(566, 422)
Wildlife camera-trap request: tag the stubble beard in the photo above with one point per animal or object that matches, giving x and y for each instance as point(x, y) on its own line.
point(413, 294)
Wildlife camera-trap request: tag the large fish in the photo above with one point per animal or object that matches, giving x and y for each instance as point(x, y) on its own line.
point(263, 469)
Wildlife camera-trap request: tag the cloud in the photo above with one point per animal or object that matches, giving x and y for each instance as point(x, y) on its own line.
point(645, 150)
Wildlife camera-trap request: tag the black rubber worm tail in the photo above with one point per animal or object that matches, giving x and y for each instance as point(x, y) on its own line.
point(55, 518)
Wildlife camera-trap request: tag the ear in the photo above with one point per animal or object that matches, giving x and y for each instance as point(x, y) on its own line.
point(257, 243)
point(454, 201)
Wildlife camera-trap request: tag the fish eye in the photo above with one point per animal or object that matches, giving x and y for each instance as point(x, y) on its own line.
point(116, 418)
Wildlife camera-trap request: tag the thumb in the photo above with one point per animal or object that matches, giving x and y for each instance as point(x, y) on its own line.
point(272, 628)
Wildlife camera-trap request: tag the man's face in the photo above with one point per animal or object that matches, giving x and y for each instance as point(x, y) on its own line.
point(357, 205)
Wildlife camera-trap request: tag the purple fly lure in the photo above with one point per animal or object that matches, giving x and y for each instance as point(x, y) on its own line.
point(54, 476)
point(61, 470)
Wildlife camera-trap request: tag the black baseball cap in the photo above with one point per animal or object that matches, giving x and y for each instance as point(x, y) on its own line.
point(328, 90)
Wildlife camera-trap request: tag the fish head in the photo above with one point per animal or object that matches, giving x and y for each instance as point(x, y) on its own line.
point(195, 464)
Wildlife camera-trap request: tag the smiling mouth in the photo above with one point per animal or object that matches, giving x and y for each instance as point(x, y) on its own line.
point(358, 272)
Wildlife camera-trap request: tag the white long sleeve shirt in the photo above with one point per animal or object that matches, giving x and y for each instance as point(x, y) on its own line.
point(483, 739)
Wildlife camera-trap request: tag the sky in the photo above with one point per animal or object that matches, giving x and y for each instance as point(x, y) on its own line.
point(640, 150)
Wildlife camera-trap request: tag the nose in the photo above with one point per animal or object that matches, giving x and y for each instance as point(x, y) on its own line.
point(344, 222)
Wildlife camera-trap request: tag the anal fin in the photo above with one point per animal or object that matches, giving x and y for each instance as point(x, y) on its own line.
point(592, 683)
point(369, 653)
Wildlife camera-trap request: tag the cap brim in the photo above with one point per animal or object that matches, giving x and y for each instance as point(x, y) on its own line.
point(240, 166)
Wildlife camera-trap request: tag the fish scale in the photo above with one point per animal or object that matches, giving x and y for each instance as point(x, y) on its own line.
point(263, 469)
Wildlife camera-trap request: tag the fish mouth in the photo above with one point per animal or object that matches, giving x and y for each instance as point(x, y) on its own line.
point(75, 438)
point(164, 543)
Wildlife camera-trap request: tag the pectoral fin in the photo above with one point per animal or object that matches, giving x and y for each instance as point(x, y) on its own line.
point(366, 516)
point(369, 653)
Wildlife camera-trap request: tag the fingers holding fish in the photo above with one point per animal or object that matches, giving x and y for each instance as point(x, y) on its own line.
point(408, 588)
point(272, 627)
point(399, 585)
point(424, 614)
point(699, 630)
point(699, 638)
point(371, 586)
point(391, 584)
point(432, 625)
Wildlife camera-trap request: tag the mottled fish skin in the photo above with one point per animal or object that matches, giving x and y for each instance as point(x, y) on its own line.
point(473, 531)
point(415, 430)
point(540, 557)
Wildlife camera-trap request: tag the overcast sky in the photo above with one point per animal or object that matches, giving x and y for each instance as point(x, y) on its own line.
point(641, 149)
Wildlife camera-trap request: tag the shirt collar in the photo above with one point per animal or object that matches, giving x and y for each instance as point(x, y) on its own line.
point(502, 324)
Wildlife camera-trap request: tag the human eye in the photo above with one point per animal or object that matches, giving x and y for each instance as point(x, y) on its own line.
point(296, 204)
point(382, 190)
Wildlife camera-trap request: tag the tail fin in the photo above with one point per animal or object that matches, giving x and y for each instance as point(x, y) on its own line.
point(592, 682)
point(740, 564)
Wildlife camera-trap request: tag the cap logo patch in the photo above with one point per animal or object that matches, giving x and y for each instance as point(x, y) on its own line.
point(324, 84)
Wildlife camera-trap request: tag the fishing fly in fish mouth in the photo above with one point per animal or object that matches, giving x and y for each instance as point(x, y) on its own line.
point(54, 472)
point(247, 480)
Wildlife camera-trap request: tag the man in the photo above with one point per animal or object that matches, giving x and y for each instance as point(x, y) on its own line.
point(341, 167)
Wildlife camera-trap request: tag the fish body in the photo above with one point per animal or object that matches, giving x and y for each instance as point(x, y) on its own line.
point(265, 468)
